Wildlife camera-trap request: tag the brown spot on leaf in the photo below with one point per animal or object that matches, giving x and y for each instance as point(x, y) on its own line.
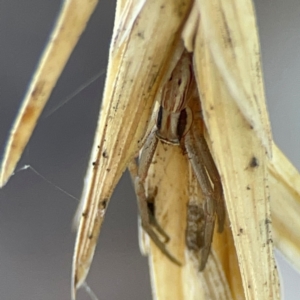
point(267, 221)
point(254, 162)
point(141, 35)
point(36, 93)
point(29, 114)
point(104, 203)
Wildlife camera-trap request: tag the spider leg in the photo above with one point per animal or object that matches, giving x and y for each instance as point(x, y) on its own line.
point(145, 204)
point(215, 178)
point(213, 173)
point(198, 165)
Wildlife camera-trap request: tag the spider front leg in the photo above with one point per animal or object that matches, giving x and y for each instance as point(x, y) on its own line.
point(146, 204)
point(206, 172)
point(209, 209)
point(213, 173)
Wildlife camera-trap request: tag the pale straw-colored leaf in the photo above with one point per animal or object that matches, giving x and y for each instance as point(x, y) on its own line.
point(227, 63)
point(140, 54)
point(227, 66)
point(284, 182)
point(68, 28)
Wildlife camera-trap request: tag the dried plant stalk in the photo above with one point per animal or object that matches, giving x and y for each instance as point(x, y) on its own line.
point(66, 33)
point(227, 66)
point(285, 206)
point(120, 133)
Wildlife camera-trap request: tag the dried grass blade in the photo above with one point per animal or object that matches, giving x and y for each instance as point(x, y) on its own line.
point(139, 60)
point(229, 29)
point(224, 252)
point(229, 77)
point(69, 26)
point(285, 206)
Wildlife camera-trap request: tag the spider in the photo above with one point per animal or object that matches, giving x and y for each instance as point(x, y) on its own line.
point(179, 124)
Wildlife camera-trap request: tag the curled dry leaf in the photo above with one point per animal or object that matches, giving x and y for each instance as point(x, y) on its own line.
point(227, 67)
point(143, 52)
point(138, 64)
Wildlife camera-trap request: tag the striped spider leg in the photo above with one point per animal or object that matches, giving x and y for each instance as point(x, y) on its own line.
point(179, 124)
point(201, 218)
